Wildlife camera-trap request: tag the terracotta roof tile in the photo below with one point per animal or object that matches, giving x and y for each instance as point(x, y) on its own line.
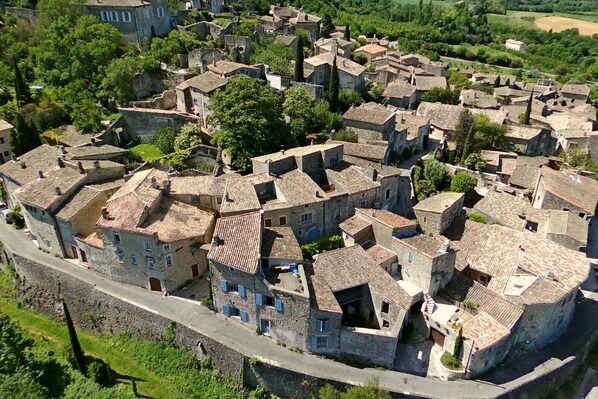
point(281, 243)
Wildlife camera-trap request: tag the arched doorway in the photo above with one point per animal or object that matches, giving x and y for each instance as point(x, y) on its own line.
point(313, 234)
point(155, 284)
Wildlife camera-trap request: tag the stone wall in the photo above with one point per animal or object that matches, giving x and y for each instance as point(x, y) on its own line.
point(166, 100)
point(31, 16)
point(377, 347)
point(144, 124)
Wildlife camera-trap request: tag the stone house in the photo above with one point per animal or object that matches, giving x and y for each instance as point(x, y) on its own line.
point(141, 242)
point(424, 84)
point(258, 279)
point(226, 69)
point(418, 130)
point(42, 198)
point(239, 47)
point(351, 74)
point(516, 45)
point(578, 92)
point(201, 57)
point(371, 52)
point(340, 47)
point(369, 152)
point(193, 95)
point(288, 19)
point(372, 122)
point(530, 140)
point(136, 20)
point(565, 191)
point(437, 213)
point(5, 133)
point(401, 94)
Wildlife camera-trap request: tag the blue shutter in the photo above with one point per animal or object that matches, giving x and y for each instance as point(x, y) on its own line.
point(242, 291)
point(259, 299)
point(226, 310)
point(328, 342)
point(319, 325)
point(314, 342)
point(328, 325)
point(244, 316)
point(278, 305)
point(223, 286)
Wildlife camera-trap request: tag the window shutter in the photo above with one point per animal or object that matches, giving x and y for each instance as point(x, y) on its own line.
point(259, 299)
point(226, 310)
point(319, 326)
point(278, 305)
point(244, 316)
point(328, 342)
point(328, 325)
point(314, 342)
point(242, 291)
point(223, 286)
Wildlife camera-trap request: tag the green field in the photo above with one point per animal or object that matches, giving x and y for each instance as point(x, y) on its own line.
point(148, 152)
point(519, 15)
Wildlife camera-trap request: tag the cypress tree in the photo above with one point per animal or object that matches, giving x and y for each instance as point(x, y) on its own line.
point(458, 344)
point(22, 93)
point(497, 82)
point(462, 129)
point(347, 35)
point(469, 142)
point(528, 110)
point(333, 87)
point(299, 63)
point(76, 347)
point(327, 26)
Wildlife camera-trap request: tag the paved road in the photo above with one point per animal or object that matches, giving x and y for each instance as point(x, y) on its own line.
point(241, 339)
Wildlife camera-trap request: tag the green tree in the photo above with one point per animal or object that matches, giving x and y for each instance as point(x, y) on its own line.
point(299, 64)
point(179, 160)
point(475, 162)
point(347, 34)
point(463, 183)
point(524, 118)
point(87, 116)
point(24, 137)
point(189, 137)
point(14, 347)
point(327, 26)
point(277, 55)
point(458, 344)
point(435, 172)
point(464, 125)
point(347, 135)
point(22, 93)
point(249, 114)
point(468, 147)
point(347, 99)
point(118, 82)
point(333, 86)
point(165, 140)
point(21, 384)
point(442, 95)
point(488, 134)
point(299, 107)
point(75, 345)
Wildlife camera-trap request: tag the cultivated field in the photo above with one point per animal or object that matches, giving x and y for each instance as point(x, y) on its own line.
point(558, 24)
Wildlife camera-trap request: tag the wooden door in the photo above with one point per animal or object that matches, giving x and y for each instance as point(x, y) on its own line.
point(437, 337)
point(194, 270)
point(155, 284)
point(83, 256)
point(74, 251)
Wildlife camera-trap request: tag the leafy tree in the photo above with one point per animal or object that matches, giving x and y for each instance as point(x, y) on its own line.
point(327, 26)
point(334, 86)
point(299, 64)
point(475, 162)
point(75, 345)
point(167, 49)
point(347, 34)
point(118, 82)
point(459, 80)
point(189, 137)
point(21, 384)
point(22, 93)
point(361, 59)
point(24, 137)
point(464, 125)
point(299, 107)
point(463, 183)
point(348, 98)
point(524, 118)
point(488, 134)
point(276, 55)
point(87, 116)
point(179, 160)
point(49, 114)
point(441, 95)
point(165, 140)
point(435, 172)
point(249, 114)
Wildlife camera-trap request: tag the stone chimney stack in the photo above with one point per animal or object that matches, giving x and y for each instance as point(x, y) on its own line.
point(105, 214)
point(41, 174)
point(154, 182)
point(93, 142)
point(62, 149)
point(96, 164)
point(60, 162)
point(23, 165)
point(80, 166)
point(166, 186)
point(58, 191)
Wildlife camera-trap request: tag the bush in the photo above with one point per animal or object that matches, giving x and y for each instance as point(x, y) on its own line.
point(320, 245)
point(347, 135)
point(100, 372)
point(165, 140)
point(424, 189)
point(475, 162)
point(435, 172)
point(476, 217)
point(450, 361)
point(463, 183)
point(189, 137)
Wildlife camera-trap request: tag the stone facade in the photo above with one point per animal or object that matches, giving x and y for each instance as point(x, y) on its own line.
point(5, 132)
point(436, 214)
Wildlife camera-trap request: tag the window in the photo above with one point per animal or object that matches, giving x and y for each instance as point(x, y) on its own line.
point(323, 325)
point(385, 307)
point(151, 264)
point(269, 301)
point(113, 16)
point(268, 222)
point(387, 196)
point(150, 13)
point(483, 279)
point(126, 16)
point(283, 220)
point(306, 218)
point(321, 342)
point(120, 255)
point(166, 247)
point(148, 246)
point(6, 153)
point(160, 12)
point(2, 141)
point(133, 260)
point(168, 260)
point(116, 237)
point(104, 16)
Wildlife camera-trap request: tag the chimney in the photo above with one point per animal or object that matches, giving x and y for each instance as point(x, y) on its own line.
point(154, 182)
point(105, 214)
point(226, 197)
point(41, 174)
point(318, 194)
point(166, 186)
point(58, 191)
point(93, 142)
point(62, 149)
point(446, 245)
point(23, 165)
point(80, 166)
point(282, 151)
point(60, 162)
point(333, 134)
point(96, 164)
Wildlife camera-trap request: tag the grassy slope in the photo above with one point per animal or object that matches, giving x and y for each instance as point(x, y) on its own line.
point(148, 152)
point(128, 357)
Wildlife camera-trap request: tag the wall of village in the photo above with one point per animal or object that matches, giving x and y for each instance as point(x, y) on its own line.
point(417, 271)
point(144, 124)
point(373, 346)
point(305, 230)
point(43, 228)
point(333, 333)
point(165, 100)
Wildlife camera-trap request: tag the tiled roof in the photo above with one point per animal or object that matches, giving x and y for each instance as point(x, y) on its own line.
point(388, 218)
point(350, 179)
point(462, 288)
point(426, 83)
point(374, 114)
point(91, 151)
point(5, 125)
point(438, 203)
point(526, 171)
point(425, 244)
point(509, 210)
point(342, 64)
point(321, 297)
point(237, 242)
point(570, 88)
point(293, 188)
point(207, 82)
point(225, 67)
point(198, 185)
point(296, 152)
point(445, 116)
point(506, 254)
point(383, 170)
point(85, 196)
point(483, 330)
point(569, 121)
point(353, 266)
point(371, 49)
point(380, 254)
point(354, 225)
point(361, 150)
point(239, 196)
point(117, 3)
point(567, 223)
point(399, 89)
point(578, 190)
point(41, 158)
point(280, 243)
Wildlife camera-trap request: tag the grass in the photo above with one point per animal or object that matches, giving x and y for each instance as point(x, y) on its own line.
point(159, 371)
point(222, 21)
point(148, 152)
point(517, 17)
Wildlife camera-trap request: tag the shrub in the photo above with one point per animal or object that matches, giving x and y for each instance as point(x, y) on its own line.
point(165, 140)
point(347, 135)
point(189, 137)
point(254, 361)
point(424, 189)
point(476, 217)
point(463, 183)
point(470, 305)
point(435, 172)
point(100, 372)
point(320, 245)
point(475, 162)
point(450, 361)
